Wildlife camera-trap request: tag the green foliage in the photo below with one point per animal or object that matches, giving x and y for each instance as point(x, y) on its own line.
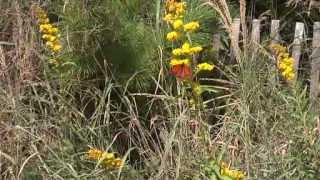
point(110, 37)
point(264, 127)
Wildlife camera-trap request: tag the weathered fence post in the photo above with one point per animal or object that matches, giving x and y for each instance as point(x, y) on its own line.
point(255, 34)
point(297, 44)
point(315, 67)
point(255, 37)
point(275, 32)
point(235, 39)
point(275, 39)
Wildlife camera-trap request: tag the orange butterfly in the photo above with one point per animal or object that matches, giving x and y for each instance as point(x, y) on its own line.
point(181, 71)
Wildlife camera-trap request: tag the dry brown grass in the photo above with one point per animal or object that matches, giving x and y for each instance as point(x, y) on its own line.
point(221, 6)
point(19, 65)
point(19, 62)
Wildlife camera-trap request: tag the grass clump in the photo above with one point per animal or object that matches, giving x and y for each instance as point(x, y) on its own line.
point(116, 112)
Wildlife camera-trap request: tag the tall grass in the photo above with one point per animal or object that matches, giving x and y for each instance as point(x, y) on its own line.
point(265, 129)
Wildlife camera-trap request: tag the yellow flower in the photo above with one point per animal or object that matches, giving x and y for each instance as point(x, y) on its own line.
point(288, 70)
point(94, 154)
point(192, 26)
point(169, 18)
point(170, 5)
point(196, 49)
point(106, 159)
point(175, 7)
point(282, 66)
point(174, 62)
point(180, 7)
point(52, 38)
point(49, 44)
point(205, 67)
point(177, 52)
point(185, 46)
point(177, 24)
point(45, 36)
point(285, 63)
point(289, 61)
point(234, 174)
point(173, 36)
point(44, 27)
point(118, 163)
point(54, 30)
point(56, 48)
point(49, 37)
point(107, 156)
point(290, 76)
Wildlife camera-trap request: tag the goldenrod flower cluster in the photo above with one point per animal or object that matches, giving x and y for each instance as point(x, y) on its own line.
point(186, 49)
point(285, 63)
point(191, 27)
point(174, 62)
point(50, 32)
point(205, 67)
point(234, 174)
point(175, 12)
point(106, 159)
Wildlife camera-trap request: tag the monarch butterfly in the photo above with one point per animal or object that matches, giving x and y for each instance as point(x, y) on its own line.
point(181, 71)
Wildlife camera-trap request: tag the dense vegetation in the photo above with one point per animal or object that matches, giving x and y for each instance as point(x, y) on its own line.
point(111, 89)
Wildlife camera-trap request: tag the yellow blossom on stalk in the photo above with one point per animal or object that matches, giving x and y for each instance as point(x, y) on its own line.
point(49, 44)
point(196, 49)
point(94, 154)
point(49, 31)
point(285, 63)
point(191, 27)
point(106, 159)
point(169, 18)
point(177, 24)
point(186, 49)
point(177, 8)
point(170, 5)
point(174, 62)
point(180, 7)
point(173, 36)
point(186, 46)
point(49, 37)
point(53, 30)
point(205, 67)
point(56, 48)
point(177, 52)
point(234, 174)
point(107, 156)
point(45, 27)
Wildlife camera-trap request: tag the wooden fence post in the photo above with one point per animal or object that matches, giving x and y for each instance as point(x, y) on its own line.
point(275, 32)
point(297, 44)
point(315, 68)
point(255, 37)
point(235, 40)
point(275, 39)
point(255, 33)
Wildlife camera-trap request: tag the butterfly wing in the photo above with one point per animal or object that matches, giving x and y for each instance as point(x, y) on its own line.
point(181, 71)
